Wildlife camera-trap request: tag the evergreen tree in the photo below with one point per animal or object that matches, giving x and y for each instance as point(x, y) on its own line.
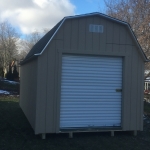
point(1, 72)
point(9, 75)
point(15, 73)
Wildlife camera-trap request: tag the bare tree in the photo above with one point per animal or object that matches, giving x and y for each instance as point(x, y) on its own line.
point(137, 14)
point(8, 47)
point(29, 41)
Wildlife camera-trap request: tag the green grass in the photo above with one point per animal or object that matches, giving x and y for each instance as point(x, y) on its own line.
point(17, 134)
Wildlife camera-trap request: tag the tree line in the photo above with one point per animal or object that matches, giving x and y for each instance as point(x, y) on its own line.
point(14, 48)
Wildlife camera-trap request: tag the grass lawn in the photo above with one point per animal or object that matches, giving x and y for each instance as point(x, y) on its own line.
point(17, 134)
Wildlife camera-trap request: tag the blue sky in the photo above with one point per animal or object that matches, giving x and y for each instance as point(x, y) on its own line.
point(88, 6)
point(28, 16)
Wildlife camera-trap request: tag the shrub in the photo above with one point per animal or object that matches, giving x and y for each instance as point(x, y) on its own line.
point(1, 72)
point(9, 75)
point(15, 74)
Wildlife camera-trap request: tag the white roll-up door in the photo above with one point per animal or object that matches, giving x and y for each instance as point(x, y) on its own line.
point(90, 91)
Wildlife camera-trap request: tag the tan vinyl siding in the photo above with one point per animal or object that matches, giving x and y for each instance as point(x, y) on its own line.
point(58, 91)
point(51, 89)
point(28, 86)
point(116, 33)
point(116, 48)
point(133, 95)
point(67, 35)
point(42, 93)
point(81, 34)
point(133, 85)
point(89, 35)
point(127, 93)
point(122, 48)
point(129, 40)
point(109, 33)
point(47, 90)
point(75, 34)
point(96, 36)
point(123, 35)
point(141, 103)
point(102, 37)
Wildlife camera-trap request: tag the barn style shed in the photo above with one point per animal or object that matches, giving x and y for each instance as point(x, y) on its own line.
point(85, 74)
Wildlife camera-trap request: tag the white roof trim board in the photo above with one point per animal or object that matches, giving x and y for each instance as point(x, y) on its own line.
point(100, 14)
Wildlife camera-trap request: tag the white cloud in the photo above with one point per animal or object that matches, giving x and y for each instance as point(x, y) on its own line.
point(31, 15)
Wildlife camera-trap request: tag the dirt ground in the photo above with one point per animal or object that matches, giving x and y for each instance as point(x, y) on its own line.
point(17, 134)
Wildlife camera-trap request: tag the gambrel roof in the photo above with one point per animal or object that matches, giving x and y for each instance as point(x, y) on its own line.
point(41, 45)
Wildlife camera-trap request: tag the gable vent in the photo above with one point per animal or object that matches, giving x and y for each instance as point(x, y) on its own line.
point(96, 28)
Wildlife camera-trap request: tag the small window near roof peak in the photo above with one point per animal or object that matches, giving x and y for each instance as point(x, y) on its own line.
point(96, 28)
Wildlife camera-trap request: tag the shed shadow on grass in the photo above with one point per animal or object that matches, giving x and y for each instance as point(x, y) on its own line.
point(16, 133)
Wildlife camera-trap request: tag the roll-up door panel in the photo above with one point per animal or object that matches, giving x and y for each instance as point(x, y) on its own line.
point(89, 96)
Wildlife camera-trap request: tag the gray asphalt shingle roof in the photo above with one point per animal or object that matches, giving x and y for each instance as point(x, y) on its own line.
point(39, 46)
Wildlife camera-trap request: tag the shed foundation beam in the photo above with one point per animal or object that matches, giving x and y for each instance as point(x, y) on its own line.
point(70, 134)
point(43, 136)
point(112, 133)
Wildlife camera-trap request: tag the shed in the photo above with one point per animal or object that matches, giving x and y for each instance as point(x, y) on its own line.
point(85, 74)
